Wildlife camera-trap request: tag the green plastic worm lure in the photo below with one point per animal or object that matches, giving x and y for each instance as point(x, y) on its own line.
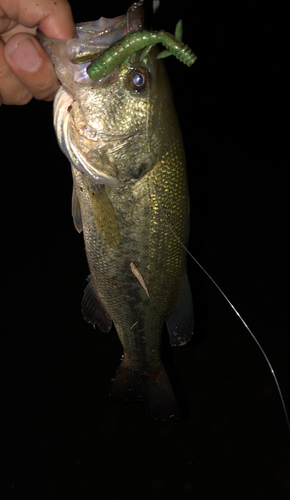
point(137, 40)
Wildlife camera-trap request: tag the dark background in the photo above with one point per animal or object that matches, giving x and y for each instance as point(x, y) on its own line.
point(62, 437)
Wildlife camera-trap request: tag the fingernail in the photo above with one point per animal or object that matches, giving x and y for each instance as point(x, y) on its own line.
point(25, 56)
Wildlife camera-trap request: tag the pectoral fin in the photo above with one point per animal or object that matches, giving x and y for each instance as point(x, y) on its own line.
point(180, 322)
point(76, 212)
point(93, 311)
point(105, 217)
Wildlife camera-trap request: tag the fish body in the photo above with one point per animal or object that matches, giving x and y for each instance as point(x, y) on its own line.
point(125, 146)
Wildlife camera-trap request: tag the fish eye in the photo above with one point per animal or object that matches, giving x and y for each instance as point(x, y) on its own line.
point(139, 79)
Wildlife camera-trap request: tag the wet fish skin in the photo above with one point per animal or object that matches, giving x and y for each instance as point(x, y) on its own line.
point(134, 139)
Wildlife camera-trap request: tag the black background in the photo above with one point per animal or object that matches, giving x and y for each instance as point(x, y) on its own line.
point(62, 437)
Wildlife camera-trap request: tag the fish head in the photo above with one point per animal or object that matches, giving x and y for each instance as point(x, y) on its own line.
point(118, 120)
point(112, 129)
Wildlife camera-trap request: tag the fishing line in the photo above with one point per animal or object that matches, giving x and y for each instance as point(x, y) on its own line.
point(237, 313)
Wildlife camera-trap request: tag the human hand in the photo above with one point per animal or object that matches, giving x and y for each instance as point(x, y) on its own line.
point(26, 70)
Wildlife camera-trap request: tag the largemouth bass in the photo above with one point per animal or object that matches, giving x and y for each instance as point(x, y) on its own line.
point(122, 137)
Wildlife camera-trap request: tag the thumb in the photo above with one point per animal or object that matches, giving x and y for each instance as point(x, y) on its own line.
point(31, 65)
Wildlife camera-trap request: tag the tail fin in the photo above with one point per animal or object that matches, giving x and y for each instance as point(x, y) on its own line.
point(154, 389)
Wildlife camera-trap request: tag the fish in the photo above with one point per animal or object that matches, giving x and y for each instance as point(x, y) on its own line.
point(130, 198)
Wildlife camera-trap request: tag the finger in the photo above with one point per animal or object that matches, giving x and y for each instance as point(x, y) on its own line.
point(12, 91)
point(32, 67)
point(53, 17)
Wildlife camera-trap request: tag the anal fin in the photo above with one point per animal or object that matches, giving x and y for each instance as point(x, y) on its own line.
point(93, 311)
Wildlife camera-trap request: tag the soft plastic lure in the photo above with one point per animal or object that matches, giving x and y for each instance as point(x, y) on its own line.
point(138, 40)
